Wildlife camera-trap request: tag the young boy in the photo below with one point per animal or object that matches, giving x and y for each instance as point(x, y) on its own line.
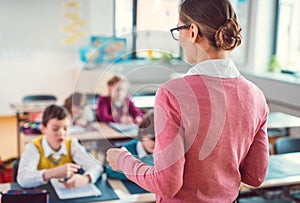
point(142, 147)
point(54, 155)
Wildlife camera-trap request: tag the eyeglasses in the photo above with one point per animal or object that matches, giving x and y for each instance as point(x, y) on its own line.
point(175, 31)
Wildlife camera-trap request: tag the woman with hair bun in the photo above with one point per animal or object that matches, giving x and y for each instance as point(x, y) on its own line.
point(211, 124)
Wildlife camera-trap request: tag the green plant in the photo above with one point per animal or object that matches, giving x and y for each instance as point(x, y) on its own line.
point(274, 65)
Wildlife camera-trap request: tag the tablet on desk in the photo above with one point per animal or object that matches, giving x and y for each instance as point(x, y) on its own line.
point(78, 192)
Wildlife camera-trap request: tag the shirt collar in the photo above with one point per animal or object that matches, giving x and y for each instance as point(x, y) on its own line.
point(140, 150)
point(222, 68)
point(48, 150)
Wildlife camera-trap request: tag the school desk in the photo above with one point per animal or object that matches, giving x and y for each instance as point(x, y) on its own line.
point(113, 191)
point(283, 170)
point(279, 125)
point(99, 131)
point(277, 120)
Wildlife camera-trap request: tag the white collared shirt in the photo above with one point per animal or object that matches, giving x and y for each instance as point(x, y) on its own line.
point(140, 150)
point(222, 68)
point(48, 150)
point(29, 176)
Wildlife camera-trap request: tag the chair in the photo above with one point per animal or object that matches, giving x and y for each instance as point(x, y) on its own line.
point(287, 145)
point(92, 98)
point(22, 196)
point(15, 168)
point(39, 97)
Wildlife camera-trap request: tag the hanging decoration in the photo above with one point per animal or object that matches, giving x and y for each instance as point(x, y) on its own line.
point(74, 22)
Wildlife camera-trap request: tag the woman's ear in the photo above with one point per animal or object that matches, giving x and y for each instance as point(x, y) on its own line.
point(194, 30)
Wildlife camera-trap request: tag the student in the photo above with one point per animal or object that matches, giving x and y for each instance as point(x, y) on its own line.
point(80, 112)
point(117, 107)
point(211, 124)
point(142, 147)
point(54, 155)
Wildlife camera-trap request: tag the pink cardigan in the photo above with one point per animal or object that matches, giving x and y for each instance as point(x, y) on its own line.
point(211, 134)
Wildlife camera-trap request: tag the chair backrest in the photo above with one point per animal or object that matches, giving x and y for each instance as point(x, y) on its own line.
point(22, 196)
point(92, 98)
point(39, 97)
point(287, 145)
point(15, 168)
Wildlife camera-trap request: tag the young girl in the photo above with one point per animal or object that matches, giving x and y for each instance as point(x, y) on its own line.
point(77, 106)
point(117, 107)
point(142, 147)
point(54, 155)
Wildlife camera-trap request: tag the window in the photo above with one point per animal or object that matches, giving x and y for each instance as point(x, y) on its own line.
point(288, 35)
point(146, 24)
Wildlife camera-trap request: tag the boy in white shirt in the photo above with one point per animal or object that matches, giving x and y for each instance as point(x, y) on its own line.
point(54, 155)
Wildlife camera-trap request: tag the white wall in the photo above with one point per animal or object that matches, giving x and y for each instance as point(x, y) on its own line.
point(282, 92)
point(33, 58)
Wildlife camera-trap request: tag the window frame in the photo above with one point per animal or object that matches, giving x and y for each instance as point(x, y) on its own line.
point(134, 35)
point(286, 69)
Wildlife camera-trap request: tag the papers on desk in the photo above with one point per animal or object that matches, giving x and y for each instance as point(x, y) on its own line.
point(76, 129)
point(79, 192)
point(124, 128)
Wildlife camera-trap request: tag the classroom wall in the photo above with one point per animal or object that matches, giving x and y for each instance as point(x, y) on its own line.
point(282, 92)
point(33, 58)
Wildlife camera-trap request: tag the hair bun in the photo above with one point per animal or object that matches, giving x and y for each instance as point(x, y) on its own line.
point(228, 36)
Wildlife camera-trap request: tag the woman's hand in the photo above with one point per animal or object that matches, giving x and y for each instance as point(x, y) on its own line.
point(112, 156)
point(77, 180)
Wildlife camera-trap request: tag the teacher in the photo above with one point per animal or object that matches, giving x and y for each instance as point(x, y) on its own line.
point(210, 125)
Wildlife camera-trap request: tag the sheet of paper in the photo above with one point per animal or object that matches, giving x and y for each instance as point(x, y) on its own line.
point(65, 193)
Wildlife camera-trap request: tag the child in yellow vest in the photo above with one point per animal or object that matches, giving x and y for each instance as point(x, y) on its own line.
point(54, 155)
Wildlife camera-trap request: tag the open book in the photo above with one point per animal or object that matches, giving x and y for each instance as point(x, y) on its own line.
point(78, 192)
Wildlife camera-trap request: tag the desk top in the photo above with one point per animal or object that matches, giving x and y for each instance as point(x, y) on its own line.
point(282, 120)
point(117, 186)
point(31, 106)
point(100, 131)
point(283, 169)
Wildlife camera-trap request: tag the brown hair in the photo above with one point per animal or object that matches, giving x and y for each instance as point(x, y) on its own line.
point(216, 19)
point(146, 127)
point(114, 80)
point(54, 111)
point(76, 99)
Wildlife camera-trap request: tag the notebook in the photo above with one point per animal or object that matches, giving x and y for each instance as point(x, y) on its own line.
point(79, 192)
